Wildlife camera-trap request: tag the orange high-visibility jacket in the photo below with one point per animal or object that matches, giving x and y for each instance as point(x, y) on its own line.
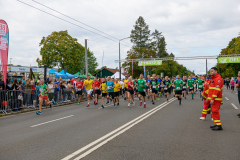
point(205, 90)
point(215, 88)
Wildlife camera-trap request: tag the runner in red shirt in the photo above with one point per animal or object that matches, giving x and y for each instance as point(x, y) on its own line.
point(79, 88)
point(96, 87)
point(130, 91)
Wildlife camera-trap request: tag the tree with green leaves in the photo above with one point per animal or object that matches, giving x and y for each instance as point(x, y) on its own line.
point(158, 44)
point(59, 48)
point(140, 35)
point(230, 69)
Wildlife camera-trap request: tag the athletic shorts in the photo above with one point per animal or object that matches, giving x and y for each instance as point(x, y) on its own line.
point(79, 92)
point(142, 93)
point(131, 92)
point(167, 90)
point(111, 94)
point(104, 94)
point(44, 97)
point(178, 92)
point(125, 89)
point(154, 91)
point(190, 89)
point(89, 91)
point(232, 88)
point(98, 92)
point(117, 94)
point(184, 89)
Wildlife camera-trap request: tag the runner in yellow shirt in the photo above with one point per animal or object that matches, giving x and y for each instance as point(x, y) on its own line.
point(125, 87)
point(104, 90)
point(88, 83)
point(117, 90)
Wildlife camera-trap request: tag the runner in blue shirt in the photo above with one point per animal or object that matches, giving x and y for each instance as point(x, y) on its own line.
point(110, 90)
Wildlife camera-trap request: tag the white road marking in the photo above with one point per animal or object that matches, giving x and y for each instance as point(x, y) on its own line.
point(226, 98)
point(234, 106)
point(52, 121)
point(116, 132)
point(106, 106)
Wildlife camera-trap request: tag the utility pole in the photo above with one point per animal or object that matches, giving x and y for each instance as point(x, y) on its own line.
point(206, 67)
point(86, 58)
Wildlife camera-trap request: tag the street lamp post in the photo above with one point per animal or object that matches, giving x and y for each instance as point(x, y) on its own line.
point(119, 57)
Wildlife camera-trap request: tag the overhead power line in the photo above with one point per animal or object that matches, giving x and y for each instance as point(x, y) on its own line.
point(70, 22)
point(77, 20)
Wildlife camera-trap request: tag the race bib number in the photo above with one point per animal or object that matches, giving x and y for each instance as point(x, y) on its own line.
point(178, 87)
point(144, 90)
point(165, 88)
point(96, 87)
point(109, 87)
point(172, 85)
point(91, 90)
point(191, 88)
point(184, 87)
point(154, 86)
point(79, 89)
point(200, 86)
point(150, 90)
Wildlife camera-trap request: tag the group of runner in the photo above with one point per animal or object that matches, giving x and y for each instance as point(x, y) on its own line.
point(111, 89)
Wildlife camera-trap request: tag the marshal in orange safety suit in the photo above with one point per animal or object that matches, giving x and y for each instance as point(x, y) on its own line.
point(215, 93)
point(205, 96)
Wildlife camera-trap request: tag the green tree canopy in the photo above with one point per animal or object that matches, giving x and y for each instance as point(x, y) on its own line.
point(140, 35)
point(60, 48)
point(230, 69)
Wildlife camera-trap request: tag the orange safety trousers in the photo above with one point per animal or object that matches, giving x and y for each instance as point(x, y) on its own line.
point(205, 109)
point(215, 113)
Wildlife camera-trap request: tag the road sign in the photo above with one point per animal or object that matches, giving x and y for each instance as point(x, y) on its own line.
point(222, 60)
point(150, 63)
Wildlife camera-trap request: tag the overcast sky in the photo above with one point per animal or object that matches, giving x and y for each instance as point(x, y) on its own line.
point(191, 27)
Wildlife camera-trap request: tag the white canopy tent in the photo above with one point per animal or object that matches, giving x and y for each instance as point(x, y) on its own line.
point(116, 75)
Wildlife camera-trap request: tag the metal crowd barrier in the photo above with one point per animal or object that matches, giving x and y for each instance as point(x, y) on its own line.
point(15, 100)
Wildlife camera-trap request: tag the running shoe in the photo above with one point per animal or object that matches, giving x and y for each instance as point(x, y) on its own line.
point(118, 104)
point(78, 102)
point(125, 98)
point(110, 100)
point(53, 101)
point(51, 105)
point(88, 105)
point(107, 102)
point(94, 103)
point(114, 106)
point(179, 103)
point(167, 100)
point(148, 97)
point(128, 104)
point(38, 112)
point(140, 103)
point(133, 103)
point(102, 106)
point(158, 98)
point(144, 106)
point(153, 102)
point(202, 118)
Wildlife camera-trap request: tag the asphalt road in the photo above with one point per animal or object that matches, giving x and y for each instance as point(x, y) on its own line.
point(160, 131)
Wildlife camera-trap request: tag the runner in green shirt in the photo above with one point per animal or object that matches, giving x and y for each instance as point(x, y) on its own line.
point(167, 87)
point(184, 87)
point(43, 96)
point(190, 84)
point(200, 85)
point(178, 88)
point(154, 87)
point(141, 83)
